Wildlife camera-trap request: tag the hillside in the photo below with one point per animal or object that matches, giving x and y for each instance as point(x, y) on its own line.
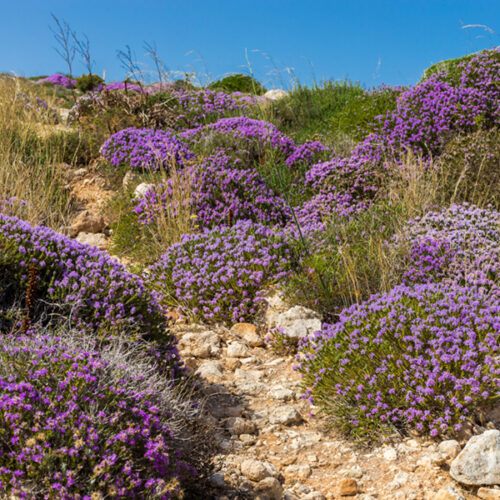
point(233, 293)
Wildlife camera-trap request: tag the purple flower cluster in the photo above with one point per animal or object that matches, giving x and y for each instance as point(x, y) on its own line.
point(307, 154)
point(77, 426)
point(457, 245)
point(218, 275)
point(426, 118)
point(95, 290)
point(145, 148)
point(222, 193)
point(424, 357)
point(255, 133)
point(58, 79)
point(195, 108)
point(129, 87)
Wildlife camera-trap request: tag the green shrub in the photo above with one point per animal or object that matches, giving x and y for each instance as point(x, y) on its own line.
point(85, 83)
point(238, 83)
point(450, 66)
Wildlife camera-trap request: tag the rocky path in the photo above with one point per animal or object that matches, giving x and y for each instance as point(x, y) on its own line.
point(270, 446)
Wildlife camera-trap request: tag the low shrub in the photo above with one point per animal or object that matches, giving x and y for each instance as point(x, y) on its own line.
point(81, 283)
point(60, 80)
point(238, 83)
point(145, 149)
point(222, 193)
point(88, 423)
point(459, 244)
point(219, 275)
point(422, 358)
point(86, 83)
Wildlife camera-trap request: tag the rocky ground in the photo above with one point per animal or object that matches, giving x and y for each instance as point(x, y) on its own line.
point(270, 446)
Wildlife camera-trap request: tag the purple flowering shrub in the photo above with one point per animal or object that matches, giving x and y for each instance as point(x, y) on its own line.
point(222, 193)
point(218, 275)
point(128, 87)
point(459, 244)
point(308, 154)
point(427, 117)
point(423, 358)
point(83, 423)
point(196, 108)
point(254, 140)
point(83, 283)
point(145, 149)
point(60, 80)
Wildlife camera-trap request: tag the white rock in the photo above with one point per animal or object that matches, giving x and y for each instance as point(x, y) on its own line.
point(295, 471)
point(270, 487)
point(256, 470)
point(286, 415)
point(449, 449)
point(142, 188)
point(314, 495)
point(448, 493)
point(488, 494)
point(248, 332)
point(298, 322)
point(240, 425)
point(237, 350)
point(98, 240)
point(390, 454)
point(276, 94)
point(355, 472)
point(211, 370)
point(202, 344)
point(478, 464)
point(281, 393)
point(128, 178)
point(399, 480)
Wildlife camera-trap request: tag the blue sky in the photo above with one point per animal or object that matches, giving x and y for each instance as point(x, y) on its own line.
point(372, 42)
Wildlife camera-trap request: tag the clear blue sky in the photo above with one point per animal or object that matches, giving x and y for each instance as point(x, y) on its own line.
point(371, 41)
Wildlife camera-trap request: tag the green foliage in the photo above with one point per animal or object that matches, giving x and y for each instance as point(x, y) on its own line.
point(349, 263)
point(238, 83)
point(471, 168)
point(450, 66)
point(85, 83)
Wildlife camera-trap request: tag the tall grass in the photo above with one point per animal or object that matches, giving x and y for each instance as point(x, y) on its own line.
point(31, 167)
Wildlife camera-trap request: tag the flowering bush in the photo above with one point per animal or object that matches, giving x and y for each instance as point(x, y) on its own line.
point(129, 87)
point(222, 194)
point(256, 136)
point(95, 290)
point(84, 424)
point(456, 245)
point(195, 108)
point(423, 357)
point(146, 149)
point(427, 117)
point(307, 154)
point(218, 275)
point(58, 79)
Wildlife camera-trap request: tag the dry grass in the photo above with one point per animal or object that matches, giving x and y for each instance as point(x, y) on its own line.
point(30, 165)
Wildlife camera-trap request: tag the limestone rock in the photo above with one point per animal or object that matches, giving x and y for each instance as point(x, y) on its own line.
point(478, 464)
point(276, 94)
point(217, 480)
point(142, 188)
point(201, 344)
point(449, 449)
point(270, 487)
point(348, 487)
point(256, 470)
point(297, 322)
point(448, 493)
point(488, 494)
point(286, 415)
point(98, 240)
point(211, 370)
point(248, 332)
point(298, 471)
point(237, 350)
point(390, 454)
point(314, 495)
point(281, 393)
point(86, 222)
